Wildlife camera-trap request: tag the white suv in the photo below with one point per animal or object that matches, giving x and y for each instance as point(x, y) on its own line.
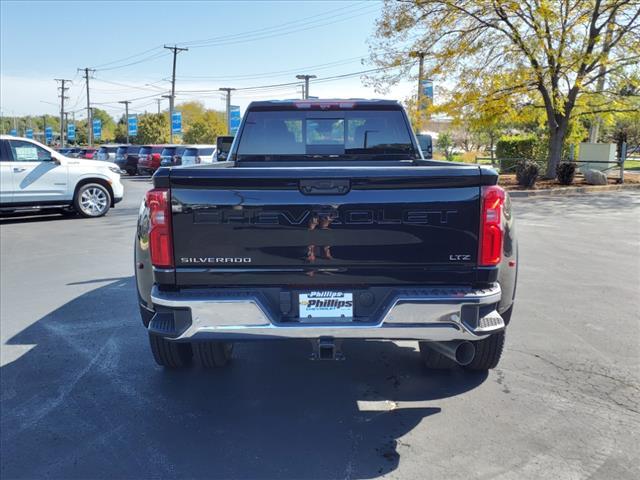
point(33, 175)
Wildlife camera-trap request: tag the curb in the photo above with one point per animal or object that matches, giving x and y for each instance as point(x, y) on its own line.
point(572, 190)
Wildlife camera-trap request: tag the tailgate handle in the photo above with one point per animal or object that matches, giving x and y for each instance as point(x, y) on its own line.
point(335, 186)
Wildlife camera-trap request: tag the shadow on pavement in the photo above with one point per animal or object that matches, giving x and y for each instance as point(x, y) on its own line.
point(87, 401)
point(562, 205)
point(36, 216)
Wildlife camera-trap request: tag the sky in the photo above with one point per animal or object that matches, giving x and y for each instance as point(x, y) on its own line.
point(236, 44)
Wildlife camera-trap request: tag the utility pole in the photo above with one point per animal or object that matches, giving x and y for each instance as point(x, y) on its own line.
point(175, 49)
point(126, 116)
point(66, 120)
point(228, 90)
point(305, 93)
point(86, 71)
point(159, 100)
point(63, 89)
point(420, 56)
point(44, 129)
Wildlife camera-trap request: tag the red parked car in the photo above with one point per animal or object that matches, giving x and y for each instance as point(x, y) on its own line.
point(89, 153)
point(149, 159)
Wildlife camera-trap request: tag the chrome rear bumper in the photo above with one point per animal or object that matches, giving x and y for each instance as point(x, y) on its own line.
point(413, 314)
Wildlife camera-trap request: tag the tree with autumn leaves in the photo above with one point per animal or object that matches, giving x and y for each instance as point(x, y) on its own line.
point(563, 58)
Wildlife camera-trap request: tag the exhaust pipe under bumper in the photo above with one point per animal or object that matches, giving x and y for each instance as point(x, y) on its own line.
point(460, 351)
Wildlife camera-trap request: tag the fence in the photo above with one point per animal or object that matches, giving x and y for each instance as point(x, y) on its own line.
point(509, 164)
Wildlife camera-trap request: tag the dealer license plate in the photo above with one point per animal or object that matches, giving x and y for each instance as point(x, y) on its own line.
point(326, 305)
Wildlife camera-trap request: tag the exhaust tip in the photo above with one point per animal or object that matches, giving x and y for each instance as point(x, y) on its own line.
point(465, 351)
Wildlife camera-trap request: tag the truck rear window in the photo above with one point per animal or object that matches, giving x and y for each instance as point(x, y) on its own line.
point(339, 134)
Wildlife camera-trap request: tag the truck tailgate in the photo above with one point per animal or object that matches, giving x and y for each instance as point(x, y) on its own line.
point(324, 226)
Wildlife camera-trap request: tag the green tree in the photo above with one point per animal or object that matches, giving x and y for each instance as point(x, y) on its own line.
point(206, 129)
point(200, 132)
point(121, 131)
point(108, 131)
point(445, 145)
point(553, 52)
point(153, 128)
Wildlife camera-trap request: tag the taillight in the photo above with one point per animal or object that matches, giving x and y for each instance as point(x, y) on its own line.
point(160, 238)
point(491, 233)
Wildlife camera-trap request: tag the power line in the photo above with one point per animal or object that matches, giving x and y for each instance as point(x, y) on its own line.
point(132, 99)
point(147, 59)
point(133, 87)
point(319, 80)
point(241, 36)
point(286, 28)
point(127, 58)
point(279, 73)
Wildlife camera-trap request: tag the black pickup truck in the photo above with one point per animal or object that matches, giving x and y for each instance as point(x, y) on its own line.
point(326, 223)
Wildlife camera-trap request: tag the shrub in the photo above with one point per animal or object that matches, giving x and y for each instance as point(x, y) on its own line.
point(565, 172)
point(527, 173)
point(512, 149)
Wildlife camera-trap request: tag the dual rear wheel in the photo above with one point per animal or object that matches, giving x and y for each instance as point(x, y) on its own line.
point(171, 354)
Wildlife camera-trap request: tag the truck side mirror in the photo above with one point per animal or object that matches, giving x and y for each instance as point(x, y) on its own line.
point(426, 144)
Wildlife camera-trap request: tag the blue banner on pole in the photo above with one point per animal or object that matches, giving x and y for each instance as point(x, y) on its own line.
point(427, 89)
point(48, 134)
point(28, 133)
point(176, 122)
point(13, 132)
point(97, 129)
point(132, 125)
point(71, 132)
point(234, 119)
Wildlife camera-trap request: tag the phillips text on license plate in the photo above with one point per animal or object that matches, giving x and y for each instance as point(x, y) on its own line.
point(326, 305)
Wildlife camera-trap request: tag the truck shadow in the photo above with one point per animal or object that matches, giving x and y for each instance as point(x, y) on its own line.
point(82, 398)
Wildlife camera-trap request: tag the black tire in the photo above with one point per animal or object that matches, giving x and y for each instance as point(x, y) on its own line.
point(170, 354)
point(212, 354)
point(506, 315)
point(433, 359)
point(488, 352)
point(92, 200)
point(132, 172)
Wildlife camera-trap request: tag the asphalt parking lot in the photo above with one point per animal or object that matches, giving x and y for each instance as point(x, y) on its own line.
point(82, 398)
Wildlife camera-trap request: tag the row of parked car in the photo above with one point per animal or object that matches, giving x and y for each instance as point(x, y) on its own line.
point(79, 152)
point(146, 159)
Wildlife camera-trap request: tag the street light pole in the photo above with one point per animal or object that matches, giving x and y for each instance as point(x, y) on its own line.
point(306, 78)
